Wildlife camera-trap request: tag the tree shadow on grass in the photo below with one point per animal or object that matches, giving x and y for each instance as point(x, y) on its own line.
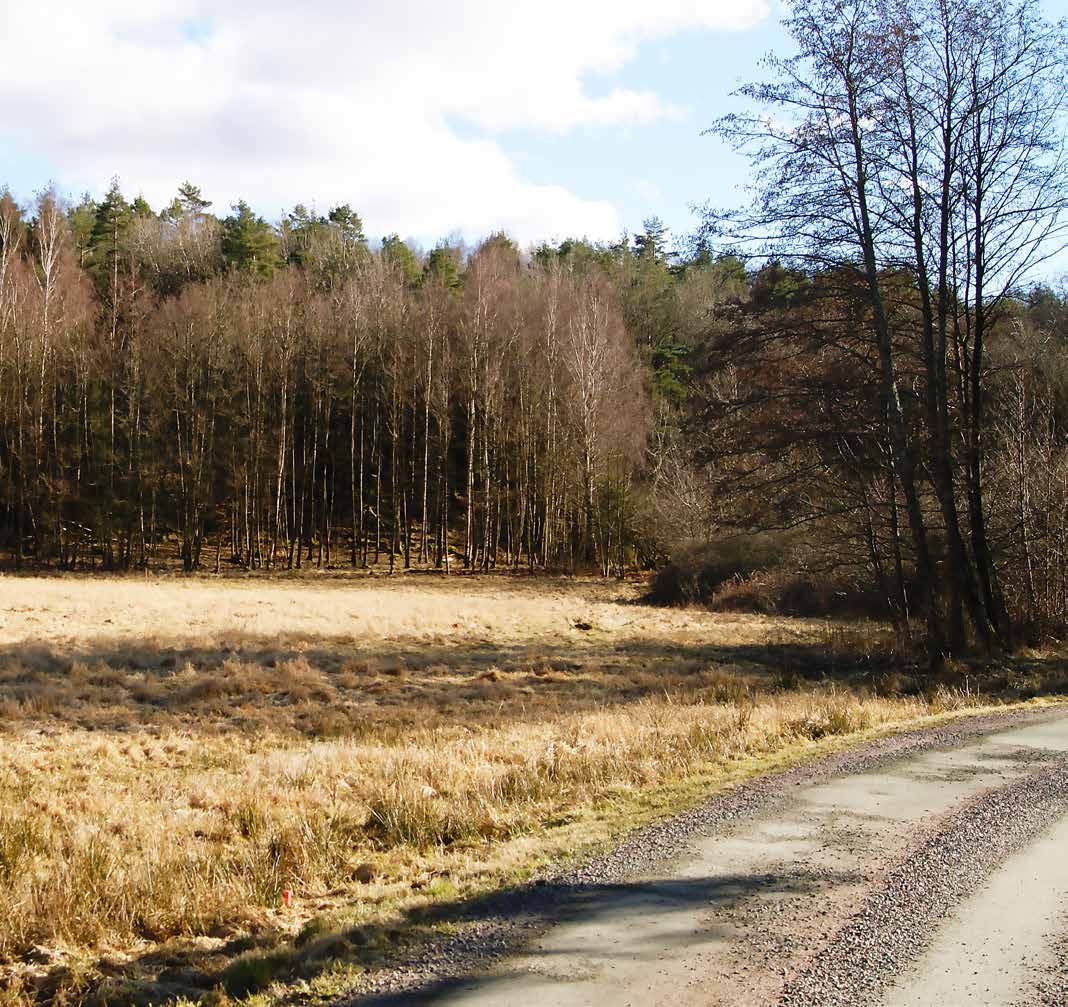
point(330, 687)
point(188, 969)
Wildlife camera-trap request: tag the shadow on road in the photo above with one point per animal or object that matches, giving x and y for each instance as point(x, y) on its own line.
point(467, 936)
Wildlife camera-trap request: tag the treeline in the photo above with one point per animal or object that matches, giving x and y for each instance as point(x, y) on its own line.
point(789, 431)
point(176, 387)
point(235, 392)
point(909, 160)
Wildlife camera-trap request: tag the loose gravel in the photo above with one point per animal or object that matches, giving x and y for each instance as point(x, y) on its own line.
point(895, 926)
point(1051, 989)
point(499, 925)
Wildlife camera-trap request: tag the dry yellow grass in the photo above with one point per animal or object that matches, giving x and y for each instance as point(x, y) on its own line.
point(77, 610)
point(179, 753)
point(323, 659)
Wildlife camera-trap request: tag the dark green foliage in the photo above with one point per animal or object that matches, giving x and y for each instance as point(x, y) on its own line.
point(348, 223)
point(401, 258)
point(330, 247)
point(81, 217)
point(110, 222)
point(192, 200)
point(140, 208)
point(249, 242)
point(112, 217)
point(651, 309)
point(776, 286)
point(652, 242)
point(731, 272)
point(302, 232)
point(579, 255)
point(189, 203)
point(441, 267)
point(671, 370)
point(1047, 309)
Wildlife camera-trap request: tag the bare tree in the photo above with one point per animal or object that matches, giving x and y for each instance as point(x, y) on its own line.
point(926, 140)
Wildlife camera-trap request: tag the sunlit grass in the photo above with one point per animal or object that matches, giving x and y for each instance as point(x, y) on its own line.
point(166, 787)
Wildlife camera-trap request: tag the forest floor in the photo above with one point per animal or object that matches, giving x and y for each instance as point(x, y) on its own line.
point(179, 753)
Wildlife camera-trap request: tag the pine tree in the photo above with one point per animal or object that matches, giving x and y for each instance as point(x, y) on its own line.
point(441, 266)
point(110, 222)
point(401, 258)
point(193, 203)
point(348, 223)
point(249, 242)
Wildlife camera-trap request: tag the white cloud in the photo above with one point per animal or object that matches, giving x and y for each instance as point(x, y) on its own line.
point(335, 101)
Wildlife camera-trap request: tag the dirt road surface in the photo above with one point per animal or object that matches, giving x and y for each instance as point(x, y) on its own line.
point(931, 869)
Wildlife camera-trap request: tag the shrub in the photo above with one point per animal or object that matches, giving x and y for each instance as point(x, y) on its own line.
point(782, 593)
point(697, 573)
point(762, 574)
point(253, 972)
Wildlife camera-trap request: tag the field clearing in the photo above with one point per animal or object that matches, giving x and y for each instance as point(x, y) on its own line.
point(178, 753)
point(322, 659)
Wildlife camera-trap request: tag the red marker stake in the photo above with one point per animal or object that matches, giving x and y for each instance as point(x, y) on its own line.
point(287, 897)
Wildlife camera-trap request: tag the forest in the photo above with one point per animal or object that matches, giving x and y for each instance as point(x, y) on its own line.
point(849, 395)
point(236, 392)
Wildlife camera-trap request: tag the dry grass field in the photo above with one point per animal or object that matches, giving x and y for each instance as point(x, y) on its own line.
point(177, 753)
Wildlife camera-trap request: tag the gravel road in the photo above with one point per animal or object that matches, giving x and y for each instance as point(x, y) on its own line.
point(923, 868)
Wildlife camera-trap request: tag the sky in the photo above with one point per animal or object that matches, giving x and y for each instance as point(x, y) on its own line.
point(562, 118)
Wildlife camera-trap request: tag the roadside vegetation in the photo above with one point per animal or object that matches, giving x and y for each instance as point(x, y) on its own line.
point(383, 750)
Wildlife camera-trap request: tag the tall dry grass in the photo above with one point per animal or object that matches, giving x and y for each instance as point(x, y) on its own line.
point(320, 659)
point(106, 841)
point(166, 779)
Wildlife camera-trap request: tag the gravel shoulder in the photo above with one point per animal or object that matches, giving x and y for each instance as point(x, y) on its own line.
point(755, 896)
point(997, 940)
point(1048, 987)
point(961, 917)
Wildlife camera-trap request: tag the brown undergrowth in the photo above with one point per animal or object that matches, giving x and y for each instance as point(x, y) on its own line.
point(168, 769)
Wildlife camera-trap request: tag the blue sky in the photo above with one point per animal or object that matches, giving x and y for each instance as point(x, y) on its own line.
point(570, 117)
point(661, 168)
